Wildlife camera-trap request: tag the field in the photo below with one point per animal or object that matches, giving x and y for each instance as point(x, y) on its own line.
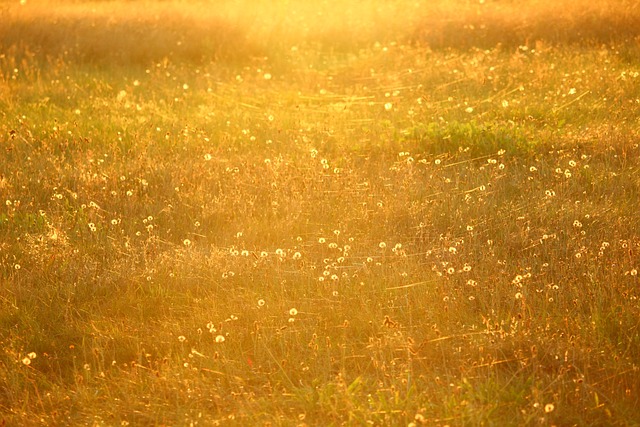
point(343, 212)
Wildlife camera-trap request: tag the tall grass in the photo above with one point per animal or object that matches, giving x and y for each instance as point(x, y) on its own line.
point(262, 216)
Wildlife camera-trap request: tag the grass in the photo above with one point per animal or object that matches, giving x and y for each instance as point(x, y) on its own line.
point(356, 213)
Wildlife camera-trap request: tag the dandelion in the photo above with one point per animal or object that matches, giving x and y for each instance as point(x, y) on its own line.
point(267, 76)
point(533, 169)
point(322, 240)
point(505, 103)
point(263, 254)
point(186, 242)
point(388, 106)
point(182, 338)
point(17, 266)
point(437, 161)
point(32, 355)
point(261, 303)
point(469, 228)
point(549, 407)
point(451, 270)
point(382, 245)
point(469, 110)
point(518, 295)
point(207, 157)
point(26, 361)
point(293, 312)
point(633, 272)
point(297, 255)
point(219, 339)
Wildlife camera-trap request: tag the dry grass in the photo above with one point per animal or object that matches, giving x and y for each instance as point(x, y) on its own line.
point(289, 221)
point(142, 31)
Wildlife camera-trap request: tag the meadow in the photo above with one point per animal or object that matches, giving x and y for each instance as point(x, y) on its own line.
point(343, 212)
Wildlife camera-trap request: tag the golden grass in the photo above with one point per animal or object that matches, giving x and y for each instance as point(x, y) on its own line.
point(333, 216)
point(142, 31)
